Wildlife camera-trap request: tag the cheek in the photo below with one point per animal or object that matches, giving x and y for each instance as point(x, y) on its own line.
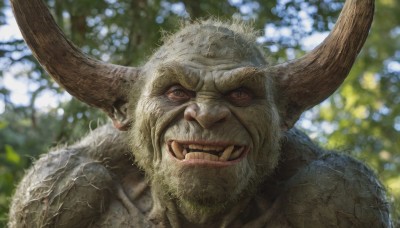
point(262, 122)
point(141, 132)
point(149, 125)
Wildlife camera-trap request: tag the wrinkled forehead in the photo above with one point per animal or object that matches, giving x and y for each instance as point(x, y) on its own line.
point(210, 46)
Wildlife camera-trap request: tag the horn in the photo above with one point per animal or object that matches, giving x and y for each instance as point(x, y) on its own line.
point(310, 79)
point(94, 82)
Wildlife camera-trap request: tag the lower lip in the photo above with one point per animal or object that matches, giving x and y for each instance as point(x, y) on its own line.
point(201, 162)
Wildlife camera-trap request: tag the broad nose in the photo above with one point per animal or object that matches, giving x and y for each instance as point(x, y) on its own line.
point(207, 115)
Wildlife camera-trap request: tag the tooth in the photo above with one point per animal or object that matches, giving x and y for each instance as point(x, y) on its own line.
point(184, 152)
point(227, 153)
point(213, 148)
point(236, 154)
point(202, 156)
point(195, 147)
point(212, 157)
point(177, 149)
point(189, 156)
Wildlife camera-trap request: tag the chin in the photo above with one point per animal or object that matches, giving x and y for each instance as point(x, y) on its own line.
point(205, 186)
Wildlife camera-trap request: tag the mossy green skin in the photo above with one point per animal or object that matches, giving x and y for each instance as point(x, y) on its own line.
point(206, 87)
point(94, 184)
point(215, 94)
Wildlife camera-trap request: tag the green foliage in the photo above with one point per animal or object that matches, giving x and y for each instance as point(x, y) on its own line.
point(362, 118)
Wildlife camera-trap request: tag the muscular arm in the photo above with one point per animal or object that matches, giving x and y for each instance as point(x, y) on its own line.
point(70, 186)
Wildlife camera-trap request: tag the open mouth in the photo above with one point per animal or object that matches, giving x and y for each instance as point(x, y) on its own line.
point(183, 151)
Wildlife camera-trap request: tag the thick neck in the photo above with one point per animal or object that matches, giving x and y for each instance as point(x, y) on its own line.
point(222, 216)
point(168, 210)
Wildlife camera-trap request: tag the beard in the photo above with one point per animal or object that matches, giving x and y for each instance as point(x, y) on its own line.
point(202, 192)
point(204, 186)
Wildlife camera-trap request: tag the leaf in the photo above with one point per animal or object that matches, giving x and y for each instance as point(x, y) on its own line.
point(11, 155)
point(3, 124)
point(394, 186)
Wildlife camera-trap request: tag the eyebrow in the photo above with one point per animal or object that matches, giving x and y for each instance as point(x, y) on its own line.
point(176, 73)
point(244, 76)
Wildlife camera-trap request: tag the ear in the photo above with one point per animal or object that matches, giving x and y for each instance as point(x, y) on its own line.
point(120, 116)
point(290, 112)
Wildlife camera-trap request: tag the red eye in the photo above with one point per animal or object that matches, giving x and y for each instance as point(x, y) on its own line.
point(178, 94)
point(240, 97)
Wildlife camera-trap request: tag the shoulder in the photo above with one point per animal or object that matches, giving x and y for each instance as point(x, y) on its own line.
point(333, 190)
point(316, 188)
point(82, 177)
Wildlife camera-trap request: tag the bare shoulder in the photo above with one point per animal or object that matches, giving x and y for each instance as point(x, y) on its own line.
point(331, 189)
point(72, 185)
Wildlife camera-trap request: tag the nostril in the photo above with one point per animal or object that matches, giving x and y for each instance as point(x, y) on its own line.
point(222, 114)
point(209, 116)
point(220, 121)
point(190, 113)
point(225, 113)
point(206, 115)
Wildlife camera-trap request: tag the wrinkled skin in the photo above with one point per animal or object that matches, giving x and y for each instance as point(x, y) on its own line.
point(207, 102)
point(344, 193)
point(213, 94)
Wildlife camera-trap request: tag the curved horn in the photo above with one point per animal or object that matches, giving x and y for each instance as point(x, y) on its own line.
point(309, 80)
point(94, 82)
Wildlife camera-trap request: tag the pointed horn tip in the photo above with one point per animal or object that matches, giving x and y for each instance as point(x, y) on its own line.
point(92, 81)
point(310, 79)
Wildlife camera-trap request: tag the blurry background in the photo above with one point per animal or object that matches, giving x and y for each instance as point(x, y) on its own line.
point(362, 118)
